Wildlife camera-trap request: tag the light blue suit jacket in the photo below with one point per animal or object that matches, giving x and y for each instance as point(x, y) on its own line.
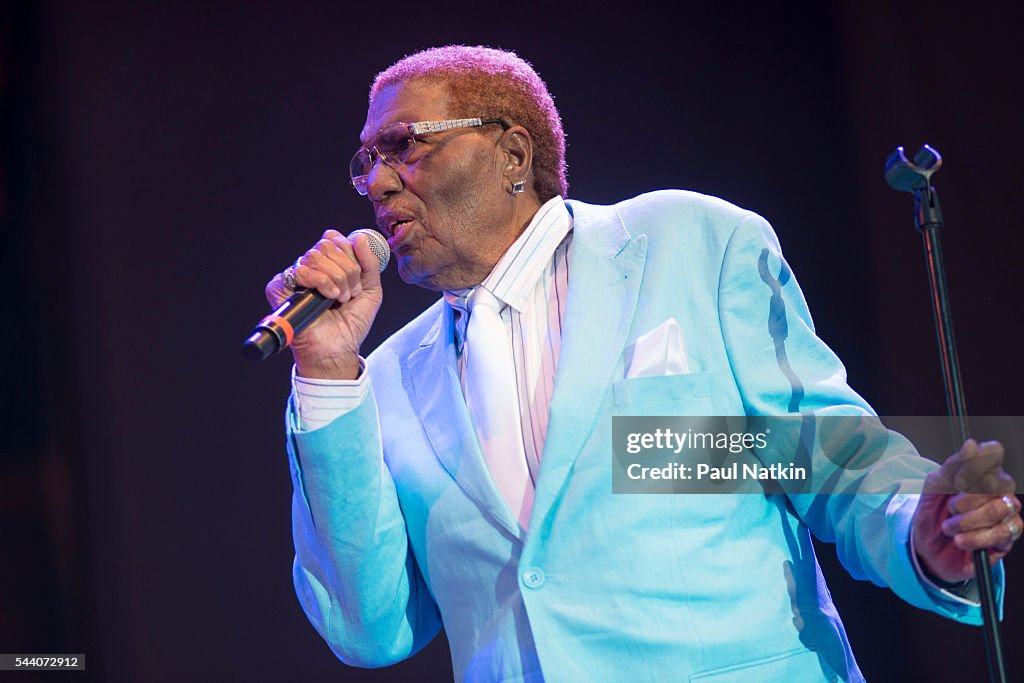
point(399, 528)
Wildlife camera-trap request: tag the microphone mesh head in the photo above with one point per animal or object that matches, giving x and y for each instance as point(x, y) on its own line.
point(378, 245)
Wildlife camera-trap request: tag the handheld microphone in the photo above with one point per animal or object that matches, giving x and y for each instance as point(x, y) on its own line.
point(276, 331)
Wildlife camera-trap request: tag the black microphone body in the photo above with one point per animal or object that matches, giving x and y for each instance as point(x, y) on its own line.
point(271, 334)
point(276, 331)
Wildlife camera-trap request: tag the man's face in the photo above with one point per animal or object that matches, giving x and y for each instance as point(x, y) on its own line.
point(445, 212)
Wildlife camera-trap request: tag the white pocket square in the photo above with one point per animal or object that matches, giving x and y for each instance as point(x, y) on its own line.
point(662, 351)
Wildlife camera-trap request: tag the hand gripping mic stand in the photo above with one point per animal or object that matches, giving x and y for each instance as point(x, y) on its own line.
point(915, 177)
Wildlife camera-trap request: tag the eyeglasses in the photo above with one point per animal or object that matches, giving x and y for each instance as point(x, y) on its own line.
point(395, 142)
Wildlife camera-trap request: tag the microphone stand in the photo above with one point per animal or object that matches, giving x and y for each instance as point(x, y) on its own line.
point(915, 177)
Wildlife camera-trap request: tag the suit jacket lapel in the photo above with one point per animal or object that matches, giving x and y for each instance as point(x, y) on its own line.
point(605, 273)
point(442, 410)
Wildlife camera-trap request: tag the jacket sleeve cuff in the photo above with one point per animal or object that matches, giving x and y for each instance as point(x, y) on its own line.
point(914, 586)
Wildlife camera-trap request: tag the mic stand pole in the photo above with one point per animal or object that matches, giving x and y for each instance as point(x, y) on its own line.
point(915, 178)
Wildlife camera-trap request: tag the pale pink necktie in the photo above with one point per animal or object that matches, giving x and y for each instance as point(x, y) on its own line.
point(490, 388)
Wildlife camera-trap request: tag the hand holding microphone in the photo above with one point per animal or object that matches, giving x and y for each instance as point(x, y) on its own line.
point(326, 306)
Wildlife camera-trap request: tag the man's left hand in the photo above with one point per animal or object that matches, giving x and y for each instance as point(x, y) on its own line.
point(966, 505)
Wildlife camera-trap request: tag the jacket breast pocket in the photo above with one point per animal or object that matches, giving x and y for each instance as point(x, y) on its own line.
point(685, 394)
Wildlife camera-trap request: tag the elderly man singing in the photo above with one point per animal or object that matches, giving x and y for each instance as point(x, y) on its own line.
point(461, 475)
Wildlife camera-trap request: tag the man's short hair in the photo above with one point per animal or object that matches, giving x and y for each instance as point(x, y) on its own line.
point(491, 83)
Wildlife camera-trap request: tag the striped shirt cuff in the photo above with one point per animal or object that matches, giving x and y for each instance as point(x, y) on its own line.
point(319, 401)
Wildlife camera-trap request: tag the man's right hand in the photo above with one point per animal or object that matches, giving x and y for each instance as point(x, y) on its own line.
point(349, 273)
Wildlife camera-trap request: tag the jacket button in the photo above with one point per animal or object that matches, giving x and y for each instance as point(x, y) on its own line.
point(533, 578)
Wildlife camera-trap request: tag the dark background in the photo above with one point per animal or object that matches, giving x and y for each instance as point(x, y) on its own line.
point(161, 161)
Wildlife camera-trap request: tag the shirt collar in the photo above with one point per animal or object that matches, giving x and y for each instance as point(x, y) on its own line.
point(515, 275)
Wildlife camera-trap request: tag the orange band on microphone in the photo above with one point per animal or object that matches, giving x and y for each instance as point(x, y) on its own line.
point(289, 331)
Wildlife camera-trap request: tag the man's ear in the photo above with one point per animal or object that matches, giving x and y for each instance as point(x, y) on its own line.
point(518, 148)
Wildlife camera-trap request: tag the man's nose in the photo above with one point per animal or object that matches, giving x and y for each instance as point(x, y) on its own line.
point(382, 180)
